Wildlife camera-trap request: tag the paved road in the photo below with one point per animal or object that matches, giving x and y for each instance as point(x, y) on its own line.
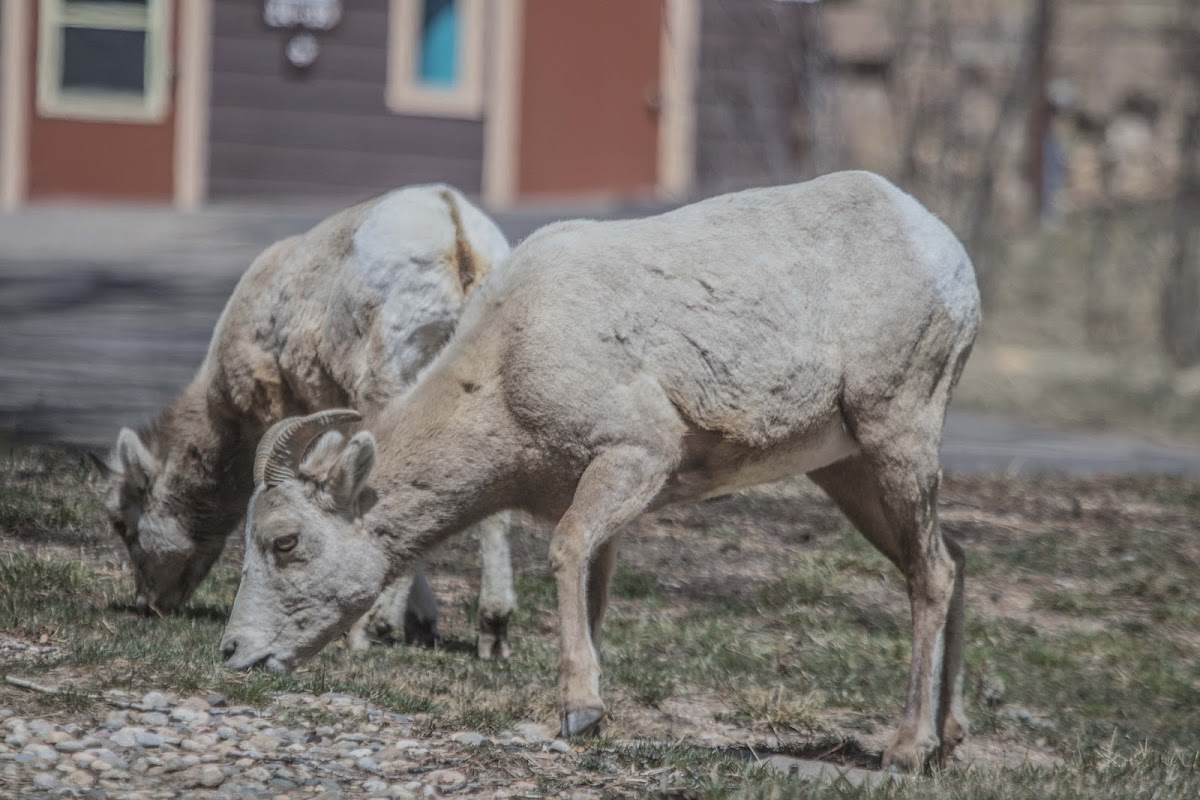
point(105, 314)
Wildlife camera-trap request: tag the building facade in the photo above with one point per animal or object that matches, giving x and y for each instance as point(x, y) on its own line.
point(185, 101)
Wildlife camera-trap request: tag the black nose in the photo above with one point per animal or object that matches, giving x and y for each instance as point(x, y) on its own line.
point(382, 628)
point(229, 648)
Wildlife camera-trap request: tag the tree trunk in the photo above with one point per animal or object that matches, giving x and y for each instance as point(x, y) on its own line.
point(1180, 308)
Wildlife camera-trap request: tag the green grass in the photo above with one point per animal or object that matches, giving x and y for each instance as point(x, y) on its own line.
point(816, 645)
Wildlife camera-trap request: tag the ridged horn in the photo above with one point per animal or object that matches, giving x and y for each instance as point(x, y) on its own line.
point(282, 446)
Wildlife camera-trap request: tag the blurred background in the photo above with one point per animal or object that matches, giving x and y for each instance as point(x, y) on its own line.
point(149, 150)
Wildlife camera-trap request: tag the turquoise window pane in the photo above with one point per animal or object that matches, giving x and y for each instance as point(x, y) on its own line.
point(438, 59)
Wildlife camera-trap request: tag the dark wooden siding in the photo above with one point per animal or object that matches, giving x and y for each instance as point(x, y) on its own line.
point(328, 133)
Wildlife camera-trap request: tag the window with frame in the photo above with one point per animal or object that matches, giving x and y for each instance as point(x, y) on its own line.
point(104, 59)
point(435, 60)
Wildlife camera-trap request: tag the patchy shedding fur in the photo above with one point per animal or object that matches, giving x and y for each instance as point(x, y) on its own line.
point(619, 366)
point(343, 315)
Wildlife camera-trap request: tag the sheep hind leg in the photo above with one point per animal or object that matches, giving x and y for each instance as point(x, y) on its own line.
point(854, 487)
point(421, 612)
point(615, 488)
point(497, 600)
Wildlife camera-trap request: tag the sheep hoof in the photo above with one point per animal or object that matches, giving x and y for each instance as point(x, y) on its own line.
point(578, 723)
point(493, 637)
point(420, 631)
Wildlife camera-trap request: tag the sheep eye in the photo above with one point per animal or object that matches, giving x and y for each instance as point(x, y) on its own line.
point(285, 544)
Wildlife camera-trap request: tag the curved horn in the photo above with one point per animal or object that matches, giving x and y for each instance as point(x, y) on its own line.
point(282, 446)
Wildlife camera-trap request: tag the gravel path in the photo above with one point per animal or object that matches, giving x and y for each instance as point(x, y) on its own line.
point(161, 745)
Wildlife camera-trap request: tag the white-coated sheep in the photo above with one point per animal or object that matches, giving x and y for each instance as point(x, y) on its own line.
point(619, 366)
point(345, 314)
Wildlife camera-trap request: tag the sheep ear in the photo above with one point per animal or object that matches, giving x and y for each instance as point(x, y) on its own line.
point(322, 451)
point(136, 461)
point(348, 478)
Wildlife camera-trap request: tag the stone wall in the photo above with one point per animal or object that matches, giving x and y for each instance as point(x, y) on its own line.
point(930, 92)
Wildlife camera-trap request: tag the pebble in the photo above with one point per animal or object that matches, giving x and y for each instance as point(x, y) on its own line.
point(40, 728)
point(41, 752)
point(45, 780)
point(149, 739)
point(69, 745)
point(211, 777)
point(155, 719)
point(116, 720)
point(126, 737)
point(559, 746)
point(469, 738)
point(375, 787)
point(264, 741)
point(81, 778)
point(534, 732)
point(216, 700)
point(154, 700)
point(446, 777)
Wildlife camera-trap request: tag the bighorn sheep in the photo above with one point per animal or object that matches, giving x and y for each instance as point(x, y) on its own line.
point(345, 314)
point(615, 367)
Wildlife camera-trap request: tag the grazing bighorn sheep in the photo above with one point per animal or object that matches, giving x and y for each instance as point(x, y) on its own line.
point(345, 314)
point(615, 367)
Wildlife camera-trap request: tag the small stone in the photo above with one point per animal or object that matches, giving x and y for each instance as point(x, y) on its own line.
point(367, 764)
point(398, 792)
point(375, 787)
point(211, 776)
point(149, 739)
point(81, 778)
point(217, 700)
point(534, 732)
point(469, 738)
point(45, 780)
point(559, 746)
point(111, 758)
point(154, 700)
point(446, 777)
point(97, 765)
point(155, 719)
point(263, 741)
point(40, 728)
point(54, 737)
point(41, 752)
point(126, 737)
point(226, 732)
point(257, 774)
point(429, 791)
point(116, 720)
point(361, 752)
point(69, 746)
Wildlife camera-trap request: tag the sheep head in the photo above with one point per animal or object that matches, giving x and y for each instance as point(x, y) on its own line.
point(311, 566)
point(148, 494)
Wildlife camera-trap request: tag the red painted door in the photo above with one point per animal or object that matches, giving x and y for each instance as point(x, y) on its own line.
point(103, 118)
point(588, 119)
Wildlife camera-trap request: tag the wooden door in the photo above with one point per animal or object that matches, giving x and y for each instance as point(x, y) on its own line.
point(103, 118)
point(588, 118)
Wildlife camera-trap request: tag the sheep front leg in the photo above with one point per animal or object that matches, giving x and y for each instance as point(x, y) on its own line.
point(615, 488)
point(407, 605)
point(497, 600)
